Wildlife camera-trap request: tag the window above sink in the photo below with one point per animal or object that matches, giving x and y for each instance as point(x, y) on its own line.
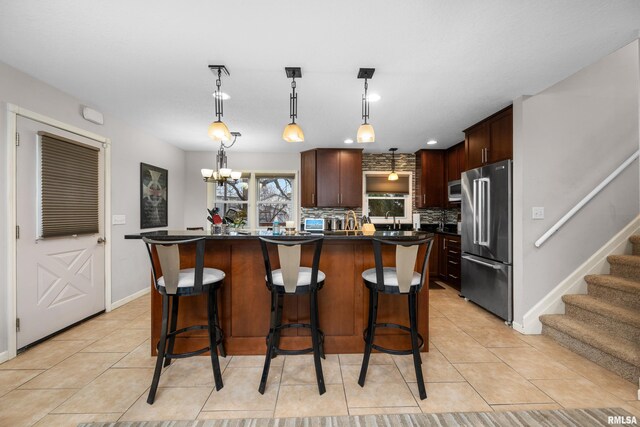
point(382, 201)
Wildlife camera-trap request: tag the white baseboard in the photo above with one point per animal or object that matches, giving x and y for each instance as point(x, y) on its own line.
point(574, 283)
point(130, 298)
point(4, 356)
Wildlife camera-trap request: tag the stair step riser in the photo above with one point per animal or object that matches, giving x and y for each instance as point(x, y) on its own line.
point(614, 296)
point(607, 361)
point(609, 325)
point(627, 271)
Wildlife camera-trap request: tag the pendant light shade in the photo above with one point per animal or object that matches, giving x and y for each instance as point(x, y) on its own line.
point(393, 176)
point(365, 131)
point(293, 132)
point(218, 131)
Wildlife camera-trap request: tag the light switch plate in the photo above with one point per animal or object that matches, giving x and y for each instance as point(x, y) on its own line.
point(118, 219)
point(537, 212)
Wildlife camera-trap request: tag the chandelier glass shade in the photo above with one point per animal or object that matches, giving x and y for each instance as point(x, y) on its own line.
point(293, 133)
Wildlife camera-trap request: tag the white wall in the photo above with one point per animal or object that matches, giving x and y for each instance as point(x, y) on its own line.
point(567, 139)
point(130, 272)
point(195, 203)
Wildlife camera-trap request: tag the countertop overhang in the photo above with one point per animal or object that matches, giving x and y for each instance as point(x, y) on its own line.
point(250, 235)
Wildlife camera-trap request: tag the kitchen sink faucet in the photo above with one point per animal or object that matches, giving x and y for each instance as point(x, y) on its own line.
point(386, 216)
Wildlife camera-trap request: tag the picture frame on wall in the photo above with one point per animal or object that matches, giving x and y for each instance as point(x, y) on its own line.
point(153, 196)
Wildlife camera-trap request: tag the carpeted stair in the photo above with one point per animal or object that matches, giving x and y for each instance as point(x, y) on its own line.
point(604, 324)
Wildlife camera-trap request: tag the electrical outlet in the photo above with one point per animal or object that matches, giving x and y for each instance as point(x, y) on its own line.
point(537, 212)
point(118, 219)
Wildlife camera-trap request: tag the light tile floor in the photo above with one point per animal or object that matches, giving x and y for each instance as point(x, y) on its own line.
point(101, 371)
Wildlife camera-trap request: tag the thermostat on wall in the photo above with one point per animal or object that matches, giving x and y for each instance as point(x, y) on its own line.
point(92, 115)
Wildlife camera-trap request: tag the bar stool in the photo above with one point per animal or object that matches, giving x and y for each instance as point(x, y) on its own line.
point(172, 283)
point(292, 279)
point(398, 280)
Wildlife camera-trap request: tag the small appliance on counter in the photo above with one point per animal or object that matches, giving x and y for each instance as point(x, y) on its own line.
point(314, 225)
point(416, 221)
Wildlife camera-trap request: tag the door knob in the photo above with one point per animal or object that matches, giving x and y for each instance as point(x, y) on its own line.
point(101, 240)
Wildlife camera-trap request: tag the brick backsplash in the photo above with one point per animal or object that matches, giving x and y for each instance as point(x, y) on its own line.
point(405, 162)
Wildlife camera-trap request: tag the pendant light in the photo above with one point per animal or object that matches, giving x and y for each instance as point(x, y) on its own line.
point(393, 176)
point(293, 132)
point(365, 131)
point(218, 131)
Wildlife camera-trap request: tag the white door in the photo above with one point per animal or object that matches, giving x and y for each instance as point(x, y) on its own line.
point(60, 280)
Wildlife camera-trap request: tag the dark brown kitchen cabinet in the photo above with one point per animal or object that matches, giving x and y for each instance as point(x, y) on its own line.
point(331, 178)
point(455, 161)
point(490, 140)
point(450, 258)
point(308, 179)
point(430, 177)
point(434, 258)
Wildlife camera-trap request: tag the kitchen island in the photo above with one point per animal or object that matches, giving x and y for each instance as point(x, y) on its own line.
point(245, 299)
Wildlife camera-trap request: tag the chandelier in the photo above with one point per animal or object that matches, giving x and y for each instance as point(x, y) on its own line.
point(222, 173)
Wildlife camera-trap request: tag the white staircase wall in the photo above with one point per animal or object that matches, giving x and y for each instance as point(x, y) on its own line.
point(567, 139)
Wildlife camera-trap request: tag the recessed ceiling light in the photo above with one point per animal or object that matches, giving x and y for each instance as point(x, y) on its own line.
point(432, 142)
point(373, 97)
point(224, 96)
point(348, 141)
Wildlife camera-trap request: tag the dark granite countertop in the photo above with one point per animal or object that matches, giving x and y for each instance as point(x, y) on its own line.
point(246, 234)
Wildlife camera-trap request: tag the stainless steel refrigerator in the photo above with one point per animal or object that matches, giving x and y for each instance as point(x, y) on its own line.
point(487, 274)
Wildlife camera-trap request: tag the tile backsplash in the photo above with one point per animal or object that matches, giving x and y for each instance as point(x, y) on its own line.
point(405, 162)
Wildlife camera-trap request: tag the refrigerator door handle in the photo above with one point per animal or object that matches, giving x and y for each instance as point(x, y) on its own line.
point(475, 211)
point(485, 220)
point(486, 264)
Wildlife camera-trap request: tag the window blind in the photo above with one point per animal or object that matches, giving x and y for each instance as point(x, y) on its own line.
point(69, 187)
point(380, 184)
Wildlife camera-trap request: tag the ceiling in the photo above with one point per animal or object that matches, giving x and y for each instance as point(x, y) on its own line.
point(440, 66)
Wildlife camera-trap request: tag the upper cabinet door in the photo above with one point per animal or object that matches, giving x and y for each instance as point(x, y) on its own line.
point(431, 177)
point(491, 140)
point(455, 159)
point(351, 178)
point(328, 178)
point(476, 144)
point(501, 131)
point(308, 197)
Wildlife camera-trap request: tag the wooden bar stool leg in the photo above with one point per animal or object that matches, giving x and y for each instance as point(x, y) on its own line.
point(161, 350)
point(270, 341)
point(315, 339)
point(417, 360)
point(371, 327)
point(173, 325)
point(212, 302)
point(219, 335)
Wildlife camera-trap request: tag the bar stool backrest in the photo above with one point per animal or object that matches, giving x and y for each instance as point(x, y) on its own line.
point(289, 252)
point(406, 257)
point(168, 266)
